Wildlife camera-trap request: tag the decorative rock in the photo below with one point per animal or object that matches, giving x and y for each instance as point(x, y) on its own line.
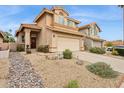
point(79, 62)
point(21, 73)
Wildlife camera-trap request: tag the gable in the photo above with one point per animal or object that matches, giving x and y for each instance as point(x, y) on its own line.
point(90, 26)
point(60, 11)
point(1, 34)
point(97, 27)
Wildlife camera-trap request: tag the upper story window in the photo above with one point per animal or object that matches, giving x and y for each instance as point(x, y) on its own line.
point(23, 38)
point(95, 31)
point(70, 23)
point(60, 13)
point(61, 20)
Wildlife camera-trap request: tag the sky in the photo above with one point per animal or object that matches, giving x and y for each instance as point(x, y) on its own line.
point(108, 18)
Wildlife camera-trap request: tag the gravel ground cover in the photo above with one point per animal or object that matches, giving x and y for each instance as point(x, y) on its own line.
point(4, 69)
point(57, 73)
point(21, 73)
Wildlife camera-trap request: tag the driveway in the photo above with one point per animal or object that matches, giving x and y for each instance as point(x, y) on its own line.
point(116, 64)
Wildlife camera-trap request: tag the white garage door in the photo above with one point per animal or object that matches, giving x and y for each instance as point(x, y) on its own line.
point(67, 43)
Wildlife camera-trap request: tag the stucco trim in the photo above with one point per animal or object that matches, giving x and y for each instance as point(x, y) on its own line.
point(65, 31)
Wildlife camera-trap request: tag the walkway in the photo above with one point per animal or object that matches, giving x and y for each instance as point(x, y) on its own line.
point(21, 73)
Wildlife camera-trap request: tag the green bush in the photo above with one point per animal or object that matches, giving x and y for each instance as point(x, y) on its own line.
point(115, 52)
point(67, 54)
point(43, 48)
point(20, 48)
point(102, 69)
point(97, 50)
point(73, 84)
point(120, 52)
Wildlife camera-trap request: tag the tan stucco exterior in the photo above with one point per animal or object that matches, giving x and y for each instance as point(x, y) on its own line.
point(53, 31)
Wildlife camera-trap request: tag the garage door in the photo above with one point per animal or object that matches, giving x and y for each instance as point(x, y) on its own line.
point(67, 43)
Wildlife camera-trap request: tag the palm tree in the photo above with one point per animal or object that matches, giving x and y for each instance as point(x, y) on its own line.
point(122, 6)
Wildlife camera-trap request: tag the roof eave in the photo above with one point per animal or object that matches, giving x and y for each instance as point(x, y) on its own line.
point(44, 11)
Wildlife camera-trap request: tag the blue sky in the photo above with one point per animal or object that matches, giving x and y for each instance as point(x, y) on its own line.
point(109, 18)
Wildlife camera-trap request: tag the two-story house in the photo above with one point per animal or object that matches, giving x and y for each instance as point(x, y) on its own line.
point(54, 28)
point(92, 38)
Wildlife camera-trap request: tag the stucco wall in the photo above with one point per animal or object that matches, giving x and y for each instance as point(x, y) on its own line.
point(41, 39)
point(49, 19)
point(6, 46)
point(4, 54)
point(89, 43)
point(19, 37)
point(97, 44)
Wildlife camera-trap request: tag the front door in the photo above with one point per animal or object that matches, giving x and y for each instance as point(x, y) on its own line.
point(33, 42)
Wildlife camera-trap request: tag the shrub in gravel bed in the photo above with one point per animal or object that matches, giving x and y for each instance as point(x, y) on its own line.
point(20, 48)
point(102, 69)
point(67, 54)
point(43, 48)
point(73, 84)
point(97, 50)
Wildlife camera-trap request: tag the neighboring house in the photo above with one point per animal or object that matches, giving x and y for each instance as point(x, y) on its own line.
point(1, 37)
point(54, 28)
point(92, 39)
point(115, 43)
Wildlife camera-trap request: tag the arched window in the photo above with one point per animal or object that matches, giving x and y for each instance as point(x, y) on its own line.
point(61, 20)
point(60, 13)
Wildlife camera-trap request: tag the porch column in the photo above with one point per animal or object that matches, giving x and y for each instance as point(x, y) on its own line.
point(27, 38)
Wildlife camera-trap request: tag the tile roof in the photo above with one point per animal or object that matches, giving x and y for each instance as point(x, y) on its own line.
point(96, 39)
point(88, 25)
point(31, 26)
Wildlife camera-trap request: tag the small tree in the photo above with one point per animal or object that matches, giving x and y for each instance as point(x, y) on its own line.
point(9, 37)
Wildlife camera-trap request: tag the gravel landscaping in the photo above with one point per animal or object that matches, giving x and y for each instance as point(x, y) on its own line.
point(4, 69)
point(21, 73)
point(57, 73)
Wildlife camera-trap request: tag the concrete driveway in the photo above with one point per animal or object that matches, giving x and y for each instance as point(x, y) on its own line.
point(116, 64)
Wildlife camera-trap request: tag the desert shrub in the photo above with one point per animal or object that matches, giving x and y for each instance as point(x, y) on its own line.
point(109, 44)
point(67, 54)
point(115, 52)
point(73, 84)
point(120, 52)
point(97, 50)
point(43, 48)
point(20, 48)
point(102, 69)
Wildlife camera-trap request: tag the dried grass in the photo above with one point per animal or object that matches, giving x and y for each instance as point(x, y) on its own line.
point(57, 73)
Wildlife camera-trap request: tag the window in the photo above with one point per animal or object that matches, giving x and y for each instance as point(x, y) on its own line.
point(60, 13)
point(61, 20)
point(70, 23)
point(95, 31)
point(23, 38)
